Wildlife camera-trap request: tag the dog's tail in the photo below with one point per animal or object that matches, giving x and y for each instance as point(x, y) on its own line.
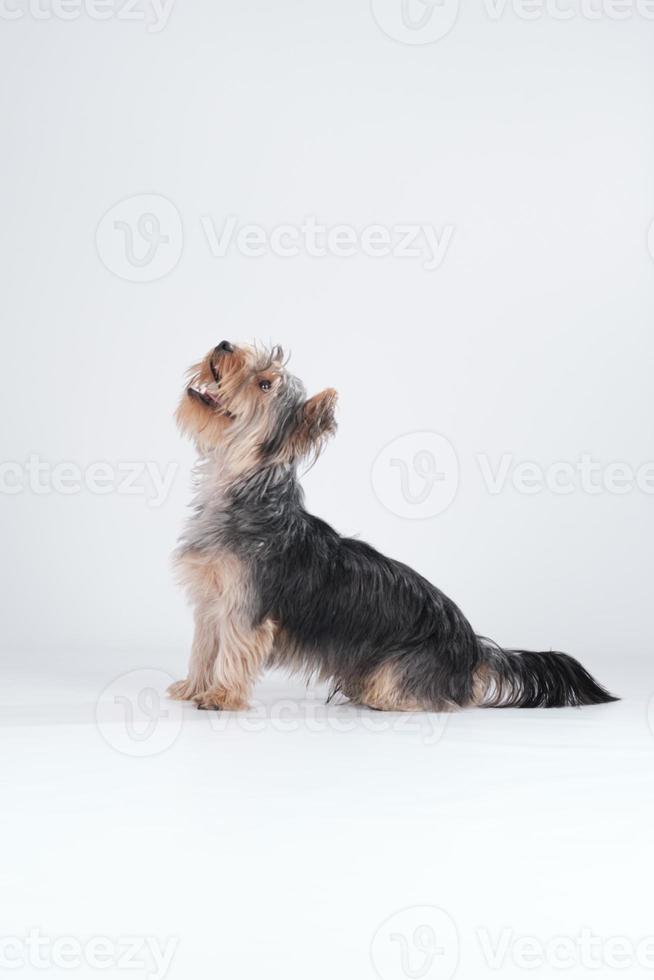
point(526, 679)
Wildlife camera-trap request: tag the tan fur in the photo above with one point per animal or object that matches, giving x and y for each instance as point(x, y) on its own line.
point(194, 418)
point(481, 681)
point(228, 653)
point(237, 432)
point(237, 437)
point(381, 690)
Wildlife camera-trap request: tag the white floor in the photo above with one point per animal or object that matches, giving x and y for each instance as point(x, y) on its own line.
point(299, 841)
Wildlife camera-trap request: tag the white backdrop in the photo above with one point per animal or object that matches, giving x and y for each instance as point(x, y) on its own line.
point(525, 145)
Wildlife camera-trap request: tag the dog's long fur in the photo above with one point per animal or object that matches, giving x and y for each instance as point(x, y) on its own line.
point(274, 585)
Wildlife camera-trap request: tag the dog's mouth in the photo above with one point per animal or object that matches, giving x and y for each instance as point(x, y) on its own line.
point(201, 394)
point(211, 399)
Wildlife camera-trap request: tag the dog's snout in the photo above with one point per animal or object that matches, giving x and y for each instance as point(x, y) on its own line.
point(224, 347)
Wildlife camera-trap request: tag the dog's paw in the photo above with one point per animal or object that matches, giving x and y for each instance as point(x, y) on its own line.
point(220, 700)
point(181, 691)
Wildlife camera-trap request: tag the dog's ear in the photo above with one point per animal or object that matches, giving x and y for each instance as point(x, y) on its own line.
point(316, 423)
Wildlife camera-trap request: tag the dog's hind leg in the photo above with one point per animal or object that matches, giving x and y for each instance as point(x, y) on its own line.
point(389, 688)
point(383, 691)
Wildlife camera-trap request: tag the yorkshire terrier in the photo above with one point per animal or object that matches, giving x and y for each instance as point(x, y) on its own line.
point(272, 585)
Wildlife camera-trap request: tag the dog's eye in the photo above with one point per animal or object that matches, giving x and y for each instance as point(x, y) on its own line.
point(264, 385)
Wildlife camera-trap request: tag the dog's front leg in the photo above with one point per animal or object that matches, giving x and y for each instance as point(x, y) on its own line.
point(203, 656)
point(242, 652)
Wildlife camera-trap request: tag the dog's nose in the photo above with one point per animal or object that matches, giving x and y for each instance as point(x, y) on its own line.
point(224, 347)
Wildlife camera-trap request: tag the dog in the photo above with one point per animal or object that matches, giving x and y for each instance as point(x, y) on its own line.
point(272, 585)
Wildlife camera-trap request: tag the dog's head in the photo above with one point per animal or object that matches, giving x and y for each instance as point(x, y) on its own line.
point(242, 402)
